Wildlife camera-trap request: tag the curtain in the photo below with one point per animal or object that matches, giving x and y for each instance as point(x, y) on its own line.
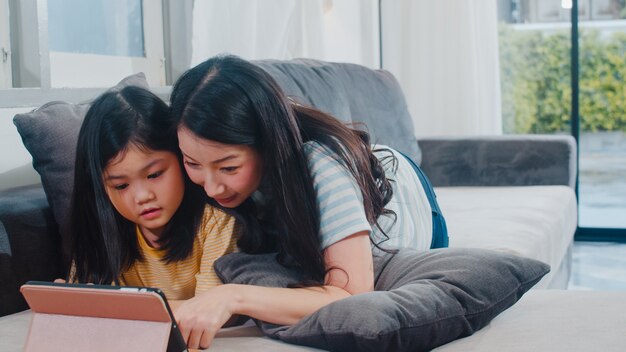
point(331, 30)
point(445, 55)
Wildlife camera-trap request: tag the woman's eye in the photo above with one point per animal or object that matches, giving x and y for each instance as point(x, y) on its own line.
point(155, 175)
point(121, 187)
point(230, 168)
point(191, 164)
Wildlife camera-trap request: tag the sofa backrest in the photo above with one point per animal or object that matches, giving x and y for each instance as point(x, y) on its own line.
point(352, 93)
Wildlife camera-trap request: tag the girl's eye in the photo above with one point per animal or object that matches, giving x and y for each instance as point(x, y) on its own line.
point(229, 169)
point(156, 174)
point(121, 187)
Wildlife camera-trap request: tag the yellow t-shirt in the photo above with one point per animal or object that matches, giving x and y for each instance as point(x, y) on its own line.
point(193, 275)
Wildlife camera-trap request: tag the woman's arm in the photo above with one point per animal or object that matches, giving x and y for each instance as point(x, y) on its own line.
point(350, 272)
point(350, 265)
point(201, 317)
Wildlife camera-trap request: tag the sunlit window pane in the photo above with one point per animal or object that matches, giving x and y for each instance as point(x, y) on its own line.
point(105, 27)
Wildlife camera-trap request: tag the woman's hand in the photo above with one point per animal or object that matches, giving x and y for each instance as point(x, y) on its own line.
point(201, 317)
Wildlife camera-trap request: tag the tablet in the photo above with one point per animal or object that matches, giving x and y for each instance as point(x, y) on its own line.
point(104, 301)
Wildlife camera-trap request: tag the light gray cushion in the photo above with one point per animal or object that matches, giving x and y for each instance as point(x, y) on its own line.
point(50, 134)
point(352, 93)
point(421, 299)
point(507, 210)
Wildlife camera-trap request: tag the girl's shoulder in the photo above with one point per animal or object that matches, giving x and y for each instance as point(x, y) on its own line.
point(214, 214)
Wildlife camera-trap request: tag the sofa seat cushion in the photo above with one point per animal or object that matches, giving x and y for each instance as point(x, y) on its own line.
point(533, 221)
point(553, 320)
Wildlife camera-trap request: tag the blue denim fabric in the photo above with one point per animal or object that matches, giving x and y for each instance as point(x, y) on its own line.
point(440, 230)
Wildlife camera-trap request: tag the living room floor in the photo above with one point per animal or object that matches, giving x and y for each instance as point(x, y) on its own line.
point(598, 266)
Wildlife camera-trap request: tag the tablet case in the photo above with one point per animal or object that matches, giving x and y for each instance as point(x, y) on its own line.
point(93, 319)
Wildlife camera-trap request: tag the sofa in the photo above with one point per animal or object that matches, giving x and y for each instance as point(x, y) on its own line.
point(513, 194)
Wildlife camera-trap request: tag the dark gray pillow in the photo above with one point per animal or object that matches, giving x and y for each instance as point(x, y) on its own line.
point(50, 134)
point(421, 300)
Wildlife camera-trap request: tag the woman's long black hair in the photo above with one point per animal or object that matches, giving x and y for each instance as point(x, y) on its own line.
point(104, 243)
point(232, 101)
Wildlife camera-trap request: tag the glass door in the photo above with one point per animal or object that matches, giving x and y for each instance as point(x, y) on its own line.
point(602, 111)
point(535, 38)
point(535, 72)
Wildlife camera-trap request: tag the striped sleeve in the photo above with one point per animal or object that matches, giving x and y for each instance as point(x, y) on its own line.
point(218, 232)
point(339, 198)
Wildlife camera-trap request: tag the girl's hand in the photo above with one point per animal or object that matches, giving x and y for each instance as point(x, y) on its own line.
point(201, 317)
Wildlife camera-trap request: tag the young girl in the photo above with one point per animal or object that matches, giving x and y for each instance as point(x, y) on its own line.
point(304, 185)
point(134, 217)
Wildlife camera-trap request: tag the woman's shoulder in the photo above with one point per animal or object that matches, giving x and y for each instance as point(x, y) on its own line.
point(376, 148)
point(315, 147)
point(316, 153)
point(383, 152)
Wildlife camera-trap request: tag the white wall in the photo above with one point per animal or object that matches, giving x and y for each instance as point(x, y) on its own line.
point(15, 161)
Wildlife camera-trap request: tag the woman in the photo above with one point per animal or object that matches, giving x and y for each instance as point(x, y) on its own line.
point(302, 183)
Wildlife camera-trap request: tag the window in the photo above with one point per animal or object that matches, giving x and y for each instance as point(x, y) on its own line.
point(77, 43)
point(116, 30)
point(104, 41)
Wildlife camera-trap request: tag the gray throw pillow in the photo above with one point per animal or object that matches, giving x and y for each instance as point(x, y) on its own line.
point(50, 134)
point(421, 300)
point(352, 93)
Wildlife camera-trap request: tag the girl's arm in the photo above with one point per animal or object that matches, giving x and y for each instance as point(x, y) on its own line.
point(351, 272)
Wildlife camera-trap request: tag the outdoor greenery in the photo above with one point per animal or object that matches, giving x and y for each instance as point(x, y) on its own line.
point(536, 81)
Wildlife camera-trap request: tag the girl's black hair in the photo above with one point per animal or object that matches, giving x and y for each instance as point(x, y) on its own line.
point(104, 243)
point(232, 101)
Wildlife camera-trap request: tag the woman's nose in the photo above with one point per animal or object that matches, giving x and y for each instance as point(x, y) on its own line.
point(213, 187)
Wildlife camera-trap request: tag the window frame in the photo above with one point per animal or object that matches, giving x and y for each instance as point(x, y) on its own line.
point(35, 66)
point(32, 71)
point(6, 76)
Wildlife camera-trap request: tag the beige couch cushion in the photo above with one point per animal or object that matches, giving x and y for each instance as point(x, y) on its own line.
point(534, 221)
point(553, 320)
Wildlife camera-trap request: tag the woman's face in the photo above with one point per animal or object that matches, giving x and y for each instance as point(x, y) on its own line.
point(229, 173)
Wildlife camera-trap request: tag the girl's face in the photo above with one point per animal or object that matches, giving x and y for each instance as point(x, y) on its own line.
point(145, 187)
point(229, 173)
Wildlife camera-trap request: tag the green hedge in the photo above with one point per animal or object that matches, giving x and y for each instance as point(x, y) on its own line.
point(536, 81)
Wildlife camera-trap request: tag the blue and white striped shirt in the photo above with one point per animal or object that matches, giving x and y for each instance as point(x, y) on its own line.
point(341, 202)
